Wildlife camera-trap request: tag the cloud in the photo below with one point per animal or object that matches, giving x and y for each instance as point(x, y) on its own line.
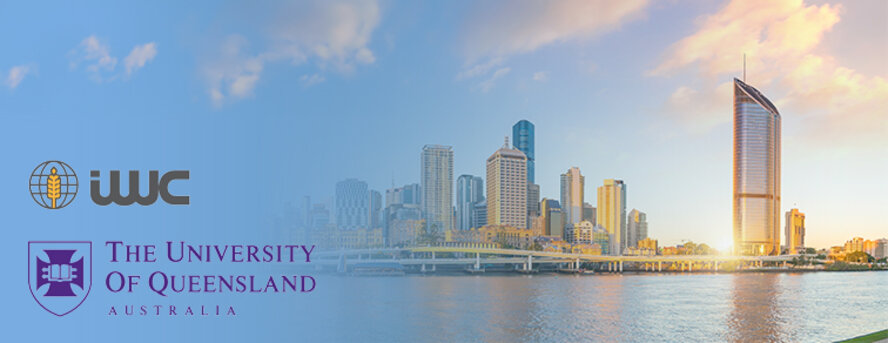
point(313, 79)
point(92, 50)
point(786, 60)
point(140, 55)
point(479, 69)
point(766, 30)
point(101, 64)
point(487, 84)
point(524, 26)
point(699, 111)
point(16, 75)
point(330, 35)
point(540, 76)
point(498, 31)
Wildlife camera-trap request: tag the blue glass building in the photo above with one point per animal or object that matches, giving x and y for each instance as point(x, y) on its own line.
point(522, 137)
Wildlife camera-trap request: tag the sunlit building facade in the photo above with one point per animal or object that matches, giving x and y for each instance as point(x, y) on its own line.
point(612, 213)
point(552, 218)
point(507, 188)
point(756, 203)
point(795, 231)
point(572, 196)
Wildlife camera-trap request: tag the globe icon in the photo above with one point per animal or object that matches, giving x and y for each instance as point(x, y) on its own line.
point(53, 184)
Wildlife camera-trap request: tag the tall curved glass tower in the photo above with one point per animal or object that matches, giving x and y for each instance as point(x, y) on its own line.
point(522, 135)
point(756, 173)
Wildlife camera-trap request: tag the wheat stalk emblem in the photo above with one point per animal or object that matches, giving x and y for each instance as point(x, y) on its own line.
point(53, 187)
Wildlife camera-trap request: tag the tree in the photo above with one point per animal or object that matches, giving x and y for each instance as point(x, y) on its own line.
point(703, 249)
point(690, 248)
point(429, 236)
point(810, 251)
point(859, 257)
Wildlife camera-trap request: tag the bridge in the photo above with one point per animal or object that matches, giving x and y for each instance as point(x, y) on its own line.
point(428, 258)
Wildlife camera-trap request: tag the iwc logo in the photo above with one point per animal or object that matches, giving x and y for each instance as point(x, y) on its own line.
point(53, 184)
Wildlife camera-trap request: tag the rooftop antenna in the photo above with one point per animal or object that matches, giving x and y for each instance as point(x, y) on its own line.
point(506, 144)
point(744, 67)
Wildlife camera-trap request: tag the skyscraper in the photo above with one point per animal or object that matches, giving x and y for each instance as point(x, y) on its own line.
point(533, 202)
point(374, 216)
point(795, 231)
point(507, 187)
point(590, 213)
point(612, 213)
point(756, 173)
point(636, 228)
point(437, 186)
point(572, 183)
point(352, 204)
point(522, 136)
point(469, 191)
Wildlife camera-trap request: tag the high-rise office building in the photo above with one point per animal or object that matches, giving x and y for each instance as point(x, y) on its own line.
point(352, 204)
point(795, 231)
point(572, 183)
point(612, 213)
point(437, 186)
point(552, 218)
point(480, 214)
point(469, 191)
point(756, 173)
point(522, 136)
point(881, 250)
point(590, 213)
point(636, 228)
point(507, 187)
point(533, 202)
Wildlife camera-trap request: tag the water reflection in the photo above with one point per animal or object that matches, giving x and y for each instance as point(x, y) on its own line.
point(763, 307)
point(754, 317)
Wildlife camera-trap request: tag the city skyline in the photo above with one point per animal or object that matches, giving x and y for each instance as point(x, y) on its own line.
point(641, 93)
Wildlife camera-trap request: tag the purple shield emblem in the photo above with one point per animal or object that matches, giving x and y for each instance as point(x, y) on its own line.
point(60, 274)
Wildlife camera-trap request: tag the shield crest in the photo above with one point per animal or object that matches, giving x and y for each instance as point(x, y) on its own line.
point(60, 274)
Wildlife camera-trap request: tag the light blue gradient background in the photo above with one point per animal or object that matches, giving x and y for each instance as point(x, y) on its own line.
point(251, 159)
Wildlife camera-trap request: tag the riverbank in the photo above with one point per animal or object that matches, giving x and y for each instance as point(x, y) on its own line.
point(875, 337)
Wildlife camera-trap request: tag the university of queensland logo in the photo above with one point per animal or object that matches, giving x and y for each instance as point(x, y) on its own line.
point(60, 274)
point(53, 184)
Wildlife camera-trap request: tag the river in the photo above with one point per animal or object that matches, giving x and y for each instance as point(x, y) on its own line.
point(742, 307)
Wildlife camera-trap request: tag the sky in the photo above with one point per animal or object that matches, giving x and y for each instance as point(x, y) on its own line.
point(311, 93)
